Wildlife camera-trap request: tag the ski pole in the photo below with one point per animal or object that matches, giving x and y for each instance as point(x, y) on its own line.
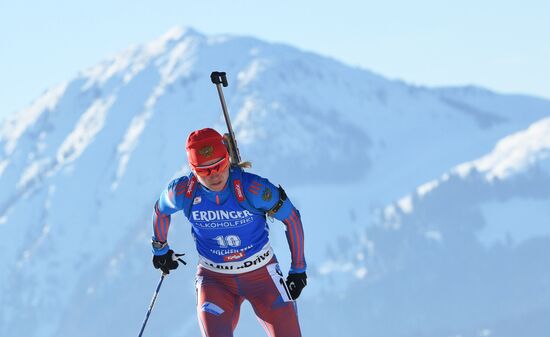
point(151, 305)
point(219, 79)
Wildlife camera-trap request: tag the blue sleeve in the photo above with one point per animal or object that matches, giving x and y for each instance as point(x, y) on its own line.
point(263, 195)
point(170, 201)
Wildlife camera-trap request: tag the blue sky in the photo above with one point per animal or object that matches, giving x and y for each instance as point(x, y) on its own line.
point(502, 45)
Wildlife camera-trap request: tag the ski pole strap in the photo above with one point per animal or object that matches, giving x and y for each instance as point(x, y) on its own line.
point(280, 202)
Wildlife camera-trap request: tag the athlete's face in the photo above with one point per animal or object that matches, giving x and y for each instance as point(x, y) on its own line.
point(216, 180)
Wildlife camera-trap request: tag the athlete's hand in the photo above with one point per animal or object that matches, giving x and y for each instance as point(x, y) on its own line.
point(167, 262)
point(295, 283)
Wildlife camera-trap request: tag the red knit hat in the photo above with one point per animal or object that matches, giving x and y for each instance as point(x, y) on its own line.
point(204, 145)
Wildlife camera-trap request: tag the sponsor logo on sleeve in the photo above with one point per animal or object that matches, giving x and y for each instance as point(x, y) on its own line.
point(238, 190)
point(191, 187)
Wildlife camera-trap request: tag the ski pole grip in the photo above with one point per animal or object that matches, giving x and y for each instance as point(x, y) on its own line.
point(218, 77)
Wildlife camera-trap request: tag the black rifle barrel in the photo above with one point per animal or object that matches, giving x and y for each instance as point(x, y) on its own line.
point(219, 79)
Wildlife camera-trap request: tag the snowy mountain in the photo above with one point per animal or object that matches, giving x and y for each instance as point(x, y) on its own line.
point(81, 168)
point(462, 255)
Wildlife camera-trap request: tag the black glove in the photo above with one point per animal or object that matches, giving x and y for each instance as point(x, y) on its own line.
point(167, 262)
point(295, 283)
